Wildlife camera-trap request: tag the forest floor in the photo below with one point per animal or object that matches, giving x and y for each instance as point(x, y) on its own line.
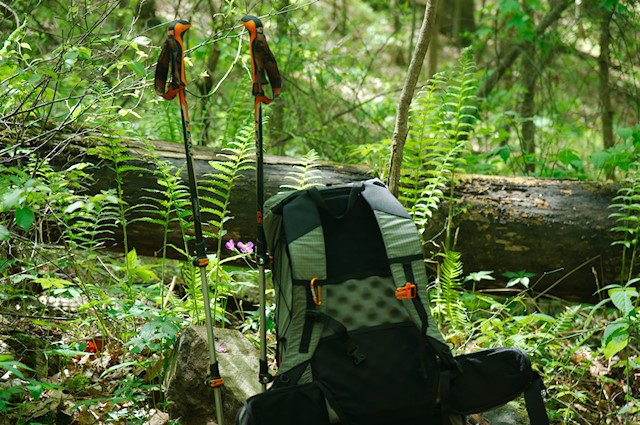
point(58, 369)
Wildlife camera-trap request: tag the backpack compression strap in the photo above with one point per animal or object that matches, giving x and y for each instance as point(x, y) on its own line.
point(535, 404)
point(171, 59)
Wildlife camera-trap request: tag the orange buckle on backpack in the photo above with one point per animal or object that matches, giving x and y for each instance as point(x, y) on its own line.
point(406, 292)
point(316, 299)
point(213, 382)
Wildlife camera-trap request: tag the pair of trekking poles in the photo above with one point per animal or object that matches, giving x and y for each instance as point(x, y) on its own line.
point(263, 64)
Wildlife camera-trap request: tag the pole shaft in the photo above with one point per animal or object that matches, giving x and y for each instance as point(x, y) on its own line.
point(201, 254)
point(261, 249)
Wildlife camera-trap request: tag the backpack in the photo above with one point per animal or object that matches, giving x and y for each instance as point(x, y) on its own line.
point(356, 341)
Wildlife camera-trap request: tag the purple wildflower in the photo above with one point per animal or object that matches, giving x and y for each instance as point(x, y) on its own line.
point(246, 248)
point(230, 244)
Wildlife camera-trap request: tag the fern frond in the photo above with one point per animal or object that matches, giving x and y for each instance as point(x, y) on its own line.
point(441, 121)
point(304, 175)
point(627, 202)
point(564, 321)
point(236, 157)
point(450, 284)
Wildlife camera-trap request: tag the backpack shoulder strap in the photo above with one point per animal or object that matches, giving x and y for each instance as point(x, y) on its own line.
point(305, 239)
point(404, 252)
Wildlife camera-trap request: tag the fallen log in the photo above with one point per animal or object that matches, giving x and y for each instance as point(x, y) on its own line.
point(557, 229)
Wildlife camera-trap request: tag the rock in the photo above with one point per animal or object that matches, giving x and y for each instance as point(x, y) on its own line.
point(508, 414)
point(158, 418)
point(189, 398)
point(31, 350)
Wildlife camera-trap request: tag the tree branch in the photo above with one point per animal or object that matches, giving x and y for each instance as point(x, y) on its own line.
point(402, 116)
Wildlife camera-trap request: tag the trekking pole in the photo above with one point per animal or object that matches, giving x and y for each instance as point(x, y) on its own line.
point(172, 57)
point(262, 61)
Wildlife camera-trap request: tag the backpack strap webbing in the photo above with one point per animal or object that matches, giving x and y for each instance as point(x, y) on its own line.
point(290, 377)
point(535, 404)
point(307, 330)
point(340, 330)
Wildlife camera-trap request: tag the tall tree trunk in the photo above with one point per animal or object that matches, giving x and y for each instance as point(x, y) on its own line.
point(455, 22)
point(604, 92)
point(148, 13)
point(529, 77)
point(340, 15)
point(527, 106)
point(414, 14)
point(434, 47)
point(206, 82)
point(402, 115)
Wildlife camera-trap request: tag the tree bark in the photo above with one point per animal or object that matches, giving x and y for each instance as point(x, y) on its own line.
point(402, 115)
point(434, 46)
point(604, 89)
point(529, 77)
point(558, 229)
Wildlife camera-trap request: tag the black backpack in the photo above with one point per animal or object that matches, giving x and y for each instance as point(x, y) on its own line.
point(356, 340)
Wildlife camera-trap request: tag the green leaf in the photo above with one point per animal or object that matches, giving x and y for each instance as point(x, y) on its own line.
point(142, 40)
point(7, 362)
point(48, 282)
point(35, 389)
point(4, 233)
point(118, 366)
point(139, 68)
point(132, 258)
point(616, 341)
point(73, 207)
point(622, 299)
point(624, 132)
point(617, 327)
point(12, 199)
point(481, 275)
point(24, 217)
point(600, 158)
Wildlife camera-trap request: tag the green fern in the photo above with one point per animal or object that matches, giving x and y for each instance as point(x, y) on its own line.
point(168, 125)
point(304, 175)
point(450, 284)
point(112, 150)
point(166, 205)
point(235, 118)
point(564, 321)
point(90, 222)
point(235, 158)
point(628, 204)
point(422, 182)
point(441, 122)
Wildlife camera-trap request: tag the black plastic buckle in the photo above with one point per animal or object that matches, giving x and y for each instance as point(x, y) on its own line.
point(356, 355)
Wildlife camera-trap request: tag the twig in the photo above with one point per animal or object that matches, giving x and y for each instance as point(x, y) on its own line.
point(15, 15)
point(557, 282)
point(173, 284)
